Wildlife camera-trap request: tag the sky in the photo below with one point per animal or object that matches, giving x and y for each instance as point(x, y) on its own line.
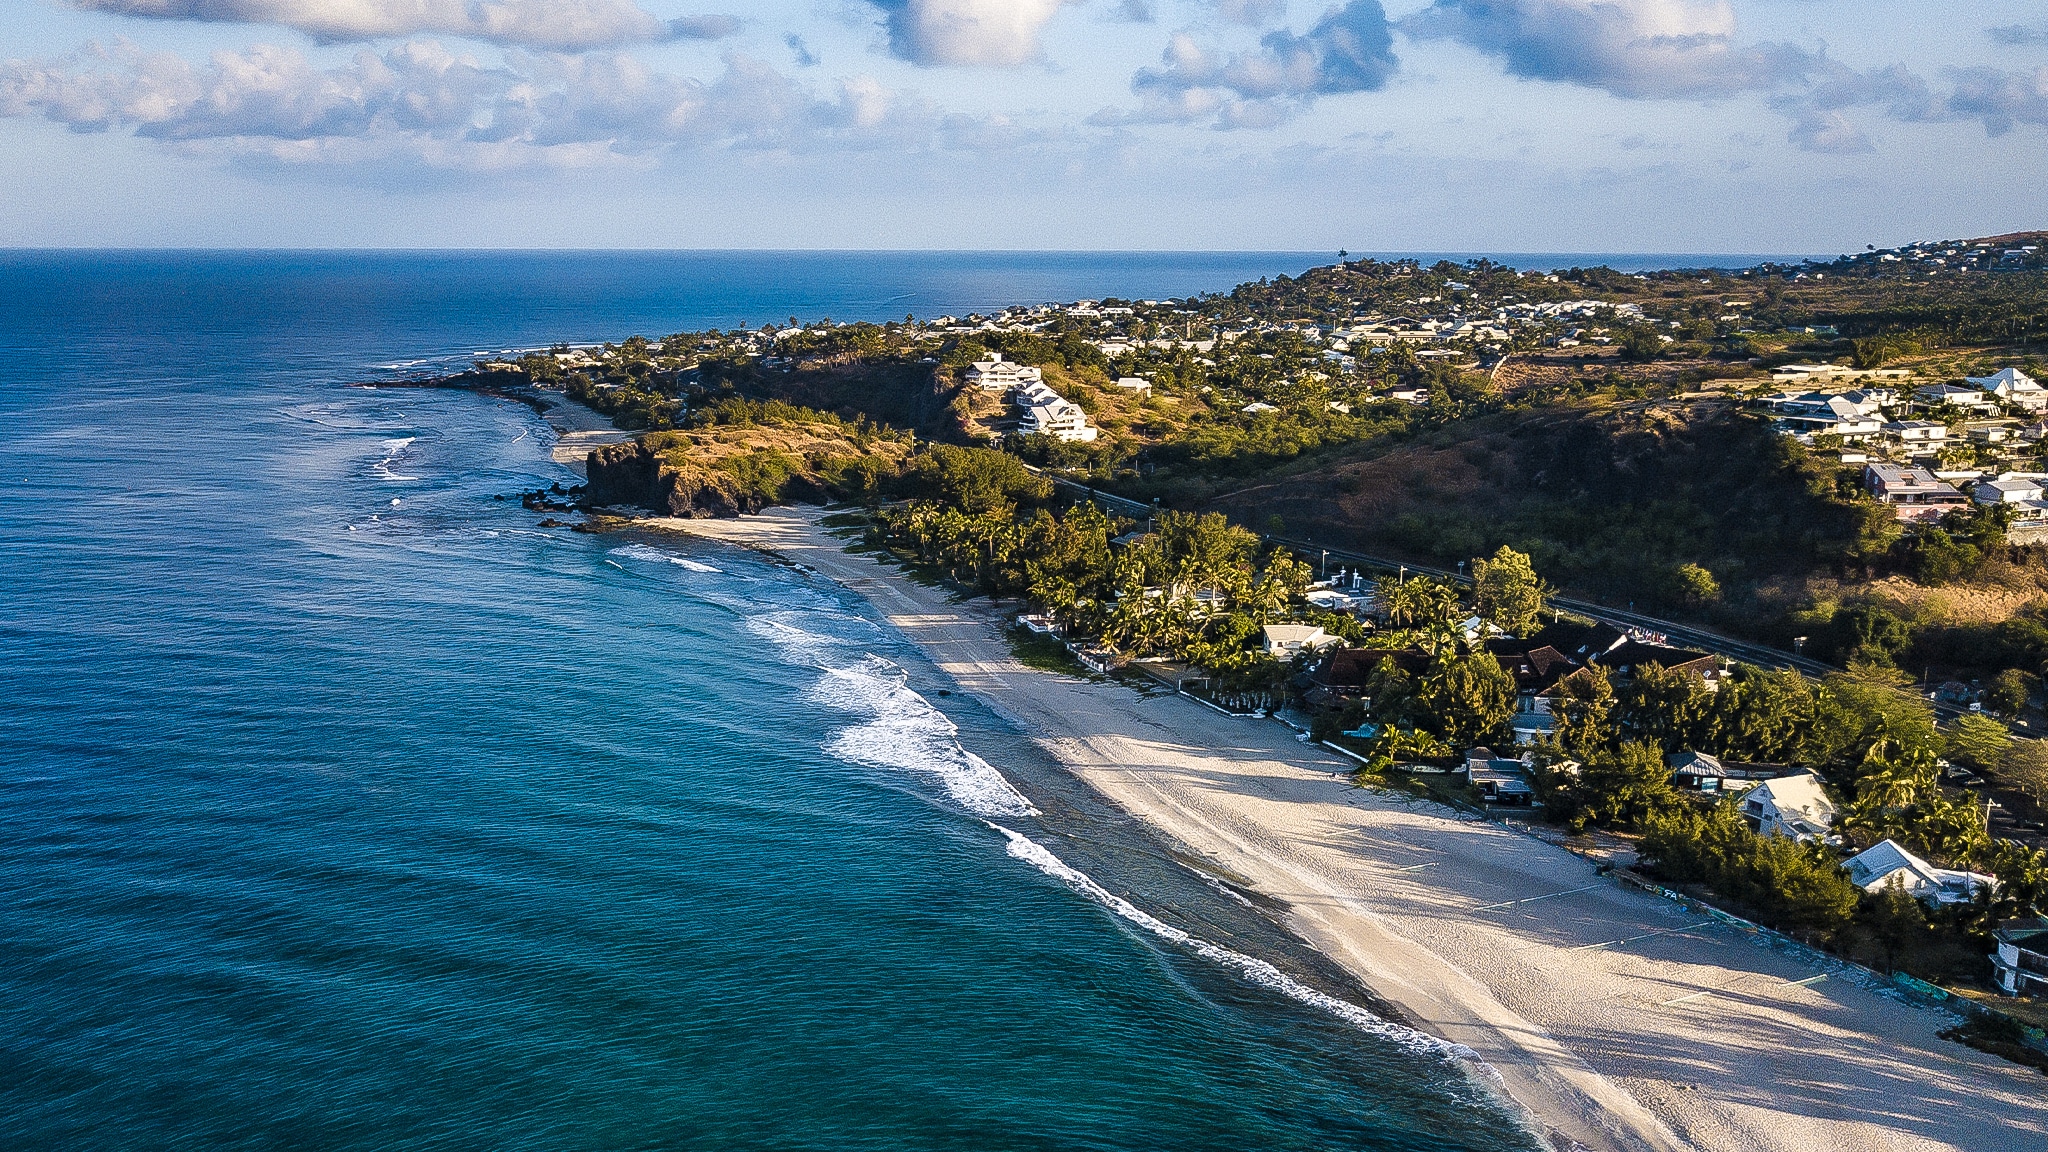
point(1679, 126)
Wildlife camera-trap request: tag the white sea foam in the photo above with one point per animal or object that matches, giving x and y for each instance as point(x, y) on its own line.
point(1251, 968)
point(802, 646)
point(392, 450)
point(643, 552)
point(907, 734)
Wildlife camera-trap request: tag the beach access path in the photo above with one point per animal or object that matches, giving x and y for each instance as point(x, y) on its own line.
point(1615, 1017)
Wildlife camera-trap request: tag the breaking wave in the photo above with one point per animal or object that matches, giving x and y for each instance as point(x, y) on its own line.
point(907, 734)
point(643, 552)
point(393, 449)
point(1257, 971)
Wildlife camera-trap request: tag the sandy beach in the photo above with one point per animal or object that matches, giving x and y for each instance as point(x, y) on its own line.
point(578, 429)
point(1613, 1016)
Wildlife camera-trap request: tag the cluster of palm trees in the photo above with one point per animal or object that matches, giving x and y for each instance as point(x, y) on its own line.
point(1194, 587)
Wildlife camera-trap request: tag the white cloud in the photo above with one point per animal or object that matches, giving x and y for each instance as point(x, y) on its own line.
point(1998, 98)
point(1252, 12)
point(420, 101)
point(1638, 49)
point(1351, 49)
point(990, 33)
point(1829, 132)
point(566, 25)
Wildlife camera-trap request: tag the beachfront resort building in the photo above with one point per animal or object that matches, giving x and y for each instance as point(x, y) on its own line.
point(1886, 863)
point(1793, 806)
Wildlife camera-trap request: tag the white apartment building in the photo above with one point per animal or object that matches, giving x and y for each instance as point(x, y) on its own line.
point(996, 374)
point(1059, 419)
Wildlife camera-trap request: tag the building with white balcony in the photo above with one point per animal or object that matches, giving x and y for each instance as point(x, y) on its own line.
point(996, 374)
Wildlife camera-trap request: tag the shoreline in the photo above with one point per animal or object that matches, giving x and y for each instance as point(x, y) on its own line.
point(578, 428)
point(1610, 1015)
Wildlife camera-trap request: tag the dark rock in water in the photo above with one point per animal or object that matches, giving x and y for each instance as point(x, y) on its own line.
point(551, 522)
point(537, 500)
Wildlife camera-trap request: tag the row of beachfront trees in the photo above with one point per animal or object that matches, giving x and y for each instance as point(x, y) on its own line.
point(1198, 588)
point(1876, 744)
point(1193, 587)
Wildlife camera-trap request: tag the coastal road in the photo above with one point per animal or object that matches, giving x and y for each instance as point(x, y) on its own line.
point(1690, 635)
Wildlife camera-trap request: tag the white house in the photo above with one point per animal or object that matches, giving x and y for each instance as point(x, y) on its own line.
point(1794, 806)
point(1286, 641)
point(1955, 394)
point(1876, 867)
point(2014, 387)
point(996, 374)
point(1832, 415)
point(1138, 384)
point(2015, 491)
point(1060, 419)
point(1911, 432)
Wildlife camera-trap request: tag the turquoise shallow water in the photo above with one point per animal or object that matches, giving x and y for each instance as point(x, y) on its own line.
point(341, 807)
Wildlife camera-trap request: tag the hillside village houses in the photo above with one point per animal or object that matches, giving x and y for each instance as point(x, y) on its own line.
point(1956, 394)
point(2014, 387)
point(1915, 494)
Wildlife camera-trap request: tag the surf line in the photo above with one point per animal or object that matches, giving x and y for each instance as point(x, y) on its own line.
point(1258, 971)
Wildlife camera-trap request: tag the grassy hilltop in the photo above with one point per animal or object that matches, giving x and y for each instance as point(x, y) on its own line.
point(1601, 421)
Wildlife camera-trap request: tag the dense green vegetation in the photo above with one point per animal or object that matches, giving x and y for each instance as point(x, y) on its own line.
point(1602, 436)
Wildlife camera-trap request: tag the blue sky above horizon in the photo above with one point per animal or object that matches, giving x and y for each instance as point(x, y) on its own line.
point(1455, 125)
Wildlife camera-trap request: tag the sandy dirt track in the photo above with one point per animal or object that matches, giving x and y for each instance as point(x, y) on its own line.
point(1616, 1018)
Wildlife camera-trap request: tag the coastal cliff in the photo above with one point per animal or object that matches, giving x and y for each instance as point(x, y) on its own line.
point(636, 474)
point(757, 456)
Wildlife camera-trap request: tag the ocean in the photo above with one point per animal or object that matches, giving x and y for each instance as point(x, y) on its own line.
point(342, 806)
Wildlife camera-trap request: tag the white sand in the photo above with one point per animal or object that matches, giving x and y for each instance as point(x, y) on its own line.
point(578, 429)
point(1585, 998)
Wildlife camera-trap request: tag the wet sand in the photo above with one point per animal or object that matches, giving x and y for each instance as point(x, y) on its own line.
point(1615, 1017)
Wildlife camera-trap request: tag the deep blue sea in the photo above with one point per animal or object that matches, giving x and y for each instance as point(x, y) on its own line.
point(342, 807)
